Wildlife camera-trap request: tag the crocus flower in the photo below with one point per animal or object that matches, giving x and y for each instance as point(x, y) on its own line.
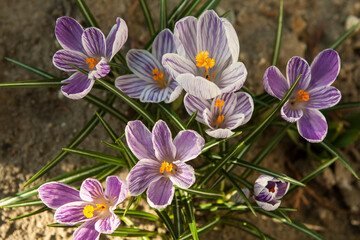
point(312, 93)
point(89, 205)
point(150, 82)
point(268, 191)
point(222, 114)
point(207, 65)
point(87, 49)
point(162, 161)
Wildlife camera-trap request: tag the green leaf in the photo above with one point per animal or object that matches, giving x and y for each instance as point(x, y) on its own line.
point(107, 128)
point(132, 232)
point(137, 214)
point(43, 209)
point(131, 201)
point(343, 37)
point(277, 44)
point(245, 225)
point(203, 229)
point(190, 215)
point(111, 170)
point(27, 203)
point(178, 219)
point(166, 220)
point(208, 5)
point(214, 143)
point(190, 8)
point(204, 192)
point(148, 18)
point(163, 14)
point(34, 83)
point(89, 18)
point(31, 69)
point(172, 115)
point(191, 119)
point(176, 12)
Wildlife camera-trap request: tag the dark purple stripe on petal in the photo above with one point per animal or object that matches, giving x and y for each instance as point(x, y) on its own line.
point(62, 57)
point(290, 113)
point(102, 69)
point(323, 97)
point(184, 176)
point(131, 85)
point(68, 32)
point(193, 104)
point(94, 42)
point(142, 63)
point(177, 65)
point(87, 231)
point(79, 86)
point(55, 194)
point(185, 31)
point(245, 105)
point(163, 43)
point(275, 83)
point(107, 225)
point(154, 93)
point(116, 189)
point(91, 190)
point(116, 38)
point(160, 193)
point(232, 38)
point(162, 141)
point(294, 68)
point(71, 213)
point(188, 145)
point(312, 126)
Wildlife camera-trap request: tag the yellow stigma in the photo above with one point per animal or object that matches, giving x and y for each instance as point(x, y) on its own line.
point(159, 77)
point(165, 166)
point(203, 60)
point(89, 210)
point(219, 103)
point(92, 62)
point(302, 96)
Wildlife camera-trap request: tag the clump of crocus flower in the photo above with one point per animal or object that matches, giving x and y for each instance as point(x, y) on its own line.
point(89, 205)
point(312, 93)
point(88, 50)
point(162, 161)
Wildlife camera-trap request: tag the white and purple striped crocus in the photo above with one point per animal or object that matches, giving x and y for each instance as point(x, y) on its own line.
point(312, 93)
point(207, 64)
point(89, 205)
point(150, 82)
point(86, 49)
point(268, 191)
point(162, 161)
point(221, 114)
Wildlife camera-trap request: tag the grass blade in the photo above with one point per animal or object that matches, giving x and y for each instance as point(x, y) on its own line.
point(33, 83)
point(208, 5)
point(178, 219)
point(31, 69)
point(148, 18)
point(176, 12)
point(43, 209)
point(137, 214)
point(203, 229)
point(166, 220)
point(171, 114)
point(190, 8)
point(89, 18)
point(204, 193)
point(27, 203)
point(132, 232)
point(163, 14)
point(189, 210)
point(191, 119)
point(277, 44)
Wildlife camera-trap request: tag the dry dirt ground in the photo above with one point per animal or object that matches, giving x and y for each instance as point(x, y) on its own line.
point(36, 123)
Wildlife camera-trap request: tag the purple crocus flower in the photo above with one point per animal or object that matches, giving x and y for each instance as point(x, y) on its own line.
point(268, 191)
point(150, 82)
point(221, 114)
point(312, 93)
point(207, 65)
point(87, 49)
point(162, 161)
point(89, 205)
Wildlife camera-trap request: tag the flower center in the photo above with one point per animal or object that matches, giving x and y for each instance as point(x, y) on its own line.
point(302, 96)
point(165, 166)
point(89, 210)
point(92, 62)
point(219, 103)
point(272, 189)
point(159, 77)
point(203, 60)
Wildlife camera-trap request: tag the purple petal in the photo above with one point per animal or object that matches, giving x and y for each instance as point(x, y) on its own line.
point(62, 57)
point(211, 37)
point(116, 189)
point(198, 86)
point(87, 231)
point(208, 118)
point(175, 91)
point(193, 104)
point(219, 133)
point(68, 32)
point(177, 65)
point(142, 63)
point(102, 69)
point(94, 42)
point(325, 68)
point(323, 97)
point(91, 190)
point(184, 176)
point(232, 38)
point(142, 174)
point(232, 78)
point(79, 86)
point(290, 113)
point(71, 213)
point(312, 126)
point(282, 188)
point(162, 142)
point(185, 30)
point(233, 121)
point(228, 107)
point(163, 43)
point(131, 85)
point(294, 68)
point(261, 182)
point(275, 83)
point(154, 93)
point(160, 193)
point(116, 38)
point(269, 206)
point(107, 225)
point(139, 140)
point(188, 145)
point(56, 194)
point(244, 105)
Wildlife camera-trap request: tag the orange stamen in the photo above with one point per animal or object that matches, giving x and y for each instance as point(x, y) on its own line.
point(92, 62)
point(203, 60)
point(159, 77)
point(89, 210)
point(165, 166)
point(302, 96)
point(219, 103)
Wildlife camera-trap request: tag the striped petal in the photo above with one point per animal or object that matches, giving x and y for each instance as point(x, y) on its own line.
point(116, 38)
point(87, 231)
point(56, 194)
point(177, 65)
point(232, 78)
point(233, 121)
point(79, 86)
point(193, 104)
point(162, 141)
point(175, 91)
point(244, 105)
point(160, 193)
point(228, 107)
point(71, 213)
point(312, 126)
point(232, 38)
point(91, 190)
point(154, 94)
point(163, 43)
point(188, 145)
point(142, 63)
point(185, 30)
point(107, 225)
point(198, 86)
point(102, 69)
point(289, 113)
point(131, 85)
point(275, 83)
point(68, 32)
point(116, 189)
point(268, 206)
point(62, 57)
point(219, 133)
point(323, 97)
point(94, 42)
point(184, 177)
point(294, 68)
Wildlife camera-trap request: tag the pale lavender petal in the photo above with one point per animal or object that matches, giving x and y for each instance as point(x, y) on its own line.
point(290, 113)
point(87, 231)
point(56, 194)
point(269, 206)
point(325, 68)
point(232, 78)
point(294, 68)
point(282, 188)
point(160, 193)
point(219, 133)
point(131, 85)
point(163, 43)
point(208, 118)
point(142, 174)
point(232, 38)
point(323, 97)
point(275, 83)
point(68, 32)
point(62, 57)
point(211, 37)
point(261, 182)
point(184, 177)
point(175, 91)
point(142, 63)
point(177, 65)
point(116, 38)
point(162, 142)
point(139, 140)
point(71, 213)
point(189, 145)
point(116, 189)
point(102, 69)
point(193, 104)
point(154, 94)
point(94, 42)
point(228, 107)
point(91, 190)
point(198, 86)
point(185, 31)
point(107, 225)
point(79, 86)
point(312, 126)
point(233, 121)
point(244, 105)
